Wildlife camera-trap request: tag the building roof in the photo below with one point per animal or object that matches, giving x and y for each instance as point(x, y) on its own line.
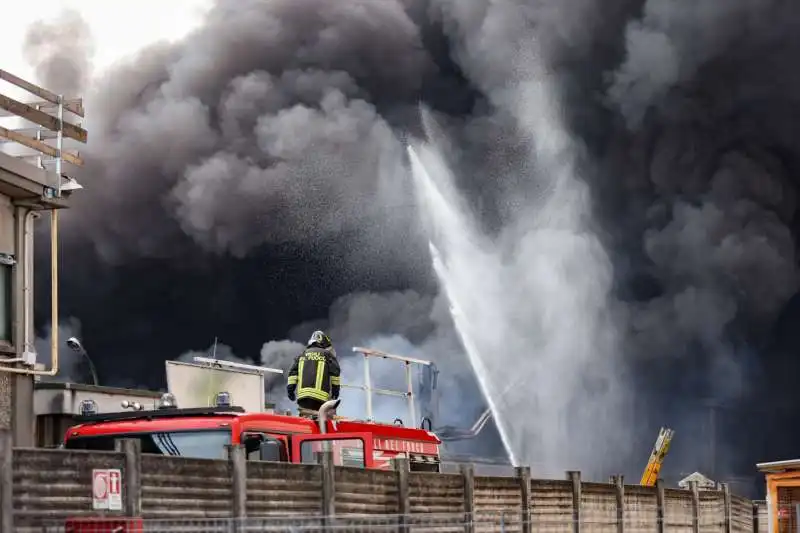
point(779, 466)
point(56, 385)
point(21, 180)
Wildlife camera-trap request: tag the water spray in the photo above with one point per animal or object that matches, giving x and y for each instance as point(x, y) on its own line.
point(450, 217)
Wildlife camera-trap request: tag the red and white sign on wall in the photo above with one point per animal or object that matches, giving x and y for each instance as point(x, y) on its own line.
point(107, 489)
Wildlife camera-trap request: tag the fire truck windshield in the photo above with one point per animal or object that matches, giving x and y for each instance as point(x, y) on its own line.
point(198, 444)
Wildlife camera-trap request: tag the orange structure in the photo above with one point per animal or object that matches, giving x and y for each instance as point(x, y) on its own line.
point(783, 494)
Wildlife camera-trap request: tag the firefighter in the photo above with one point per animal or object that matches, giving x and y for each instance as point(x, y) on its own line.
point(314, 376)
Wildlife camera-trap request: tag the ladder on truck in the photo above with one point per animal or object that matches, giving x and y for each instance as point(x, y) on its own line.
point(660, 449)
point(368, 389)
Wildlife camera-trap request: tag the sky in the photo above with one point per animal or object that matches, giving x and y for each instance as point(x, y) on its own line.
point(120, 28)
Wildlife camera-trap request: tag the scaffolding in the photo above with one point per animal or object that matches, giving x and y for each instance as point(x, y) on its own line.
point(48, 118)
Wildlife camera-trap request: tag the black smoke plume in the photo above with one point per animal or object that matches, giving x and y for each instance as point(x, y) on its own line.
point(250, 177)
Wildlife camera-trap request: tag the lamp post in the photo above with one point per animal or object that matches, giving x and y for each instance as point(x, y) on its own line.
point(76, 346)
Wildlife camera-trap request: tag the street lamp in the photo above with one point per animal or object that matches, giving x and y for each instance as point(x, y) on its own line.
point(76, 346)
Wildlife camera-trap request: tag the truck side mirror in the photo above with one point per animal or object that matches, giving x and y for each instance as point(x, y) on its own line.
point(270, 450)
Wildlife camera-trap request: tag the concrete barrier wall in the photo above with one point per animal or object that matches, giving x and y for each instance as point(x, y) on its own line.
point(551, 504)
point(380, 496)
point(598, 508)
point(501, 499)
point(742, 512)
point(177, 487)
point(280, 489)
point(47, 486)
point(435, 493)
point(712, 512)
point(678, 510)
point(641, 509)
point(55, 484)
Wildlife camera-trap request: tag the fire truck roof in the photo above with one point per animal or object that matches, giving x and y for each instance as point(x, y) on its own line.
point(174, 419)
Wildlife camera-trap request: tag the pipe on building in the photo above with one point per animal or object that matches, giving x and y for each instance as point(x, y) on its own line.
point(27, 233)
point(53, 305)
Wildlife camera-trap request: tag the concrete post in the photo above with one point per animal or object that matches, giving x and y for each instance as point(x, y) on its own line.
point(468, 473)
point(695, 506)
point(619, 485)
point(131, 475)
point(238, 461)
point(660, 507)
point(524, 476)
point(726, 496)
point(756, 518)
point(575, 477)
point(6, 482)
point(328, 488)
point(403, 495)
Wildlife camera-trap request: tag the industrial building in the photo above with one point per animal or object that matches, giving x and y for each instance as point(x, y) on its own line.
point(32, 186)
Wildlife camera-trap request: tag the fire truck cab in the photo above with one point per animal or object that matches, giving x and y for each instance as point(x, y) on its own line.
point(206, 432)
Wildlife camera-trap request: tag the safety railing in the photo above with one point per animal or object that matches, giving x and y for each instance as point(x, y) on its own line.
point(369, 390)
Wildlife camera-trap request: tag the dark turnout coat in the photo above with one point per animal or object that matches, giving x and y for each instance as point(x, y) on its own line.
point(315, 374)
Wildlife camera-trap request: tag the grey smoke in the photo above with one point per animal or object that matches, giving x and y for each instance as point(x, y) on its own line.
point(73, 367)
point(667, 45)
point(60, 50)
point(404, 323)
point(293, 139)
point(282, 122)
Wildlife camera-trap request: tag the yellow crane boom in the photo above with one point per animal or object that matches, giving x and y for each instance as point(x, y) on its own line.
point(653, 468)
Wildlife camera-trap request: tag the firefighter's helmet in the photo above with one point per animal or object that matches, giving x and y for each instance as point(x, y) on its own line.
point(320, 339)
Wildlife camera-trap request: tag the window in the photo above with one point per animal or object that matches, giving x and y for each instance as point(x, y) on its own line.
point(196, 444)
point(262, 447)
point(5, 300)
point(346, 452)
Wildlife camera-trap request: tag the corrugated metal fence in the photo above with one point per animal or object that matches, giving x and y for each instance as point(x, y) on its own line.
point(48, 486)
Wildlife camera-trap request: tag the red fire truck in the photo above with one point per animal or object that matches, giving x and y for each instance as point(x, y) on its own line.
point(204, 433)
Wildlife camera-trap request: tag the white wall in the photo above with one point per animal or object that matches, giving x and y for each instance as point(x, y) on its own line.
point(6, 225)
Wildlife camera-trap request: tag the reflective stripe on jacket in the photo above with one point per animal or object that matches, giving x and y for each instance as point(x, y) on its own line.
point(315, 374)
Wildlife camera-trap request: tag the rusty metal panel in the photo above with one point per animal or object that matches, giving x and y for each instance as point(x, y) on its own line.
point(52, 485)
point(186, 488)
point(551, 505)
point(641, 509)
point(360, 491)
point(277, 489)
point(598, 508)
